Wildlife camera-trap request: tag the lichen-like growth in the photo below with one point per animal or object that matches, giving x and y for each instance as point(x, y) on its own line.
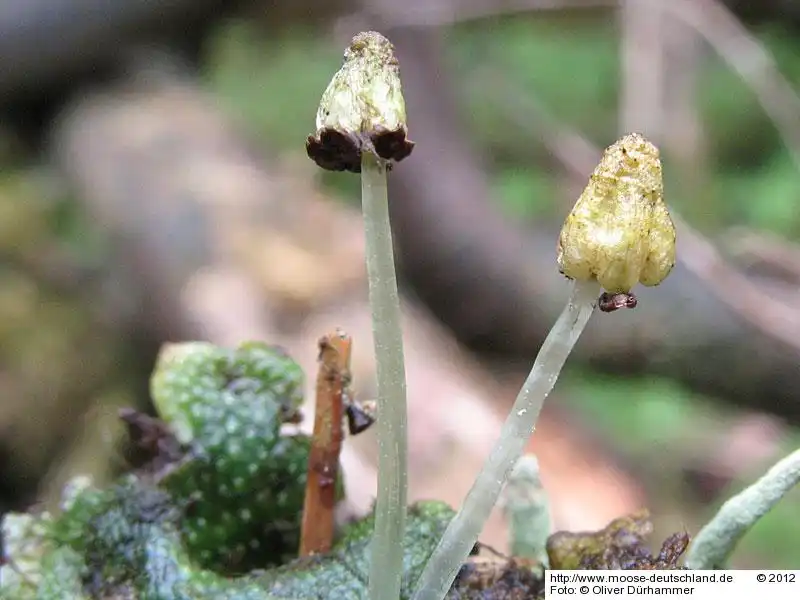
point(717, 540)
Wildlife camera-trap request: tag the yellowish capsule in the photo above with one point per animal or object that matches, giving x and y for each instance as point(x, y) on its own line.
point(620, 231)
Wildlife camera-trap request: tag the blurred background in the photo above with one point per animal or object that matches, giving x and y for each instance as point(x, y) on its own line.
point(155, 187)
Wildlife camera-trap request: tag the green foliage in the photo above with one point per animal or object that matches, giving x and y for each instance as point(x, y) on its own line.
point(130, 544)
point(534, 54)
point(345, 571)
point(514, 187)
point(170, 531)
point(766, 198)
point(229, 498)
point(245, 480)
point(649, 412)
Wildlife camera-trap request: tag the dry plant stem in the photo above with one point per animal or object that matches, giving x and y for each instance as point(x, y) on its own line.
point(326, 445)
point(463, 531)
point(714, 543)
point(386, 563)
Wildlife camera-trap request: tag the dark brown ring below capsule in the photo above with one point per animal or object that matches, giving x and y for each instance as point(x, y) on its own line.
point(334, 150)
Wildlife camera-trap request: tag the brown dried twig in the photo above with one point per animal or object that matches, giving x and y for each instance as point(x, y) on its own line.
point(323, 462)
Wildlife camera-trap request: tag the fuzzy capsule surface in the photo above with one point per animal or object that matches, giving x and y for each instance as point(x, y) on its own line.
point(620, 231)
point(365, 94)
point(362, 109)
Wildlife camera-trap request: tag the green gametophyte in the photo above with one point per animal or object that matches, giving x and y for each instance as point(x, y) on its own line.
point(243, 477)
point(125, 542)
point(146, 536)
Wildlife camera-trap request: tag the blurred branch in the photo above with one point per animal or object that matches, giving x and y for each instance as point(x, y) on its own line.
point(189, 207)
point(47, 43)
point(128, 166)
point(447, 12)
point(643, 69)
point(661, 58)
point(642, 109)
point(683, 136)
point(748, 57)
point(767, 253)
point(748, 299)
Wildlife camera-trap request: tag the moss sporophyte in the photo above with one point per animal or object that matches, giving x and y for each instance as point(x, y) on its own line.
point(215, 511)
point(618, 234)
point(361, 128)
